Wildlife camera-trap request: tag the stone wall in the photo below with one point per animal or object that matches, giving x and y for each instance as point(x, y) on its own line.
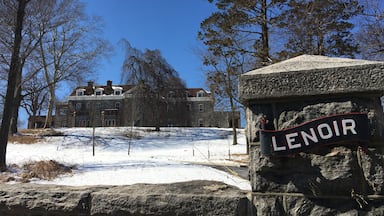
point(189, 198)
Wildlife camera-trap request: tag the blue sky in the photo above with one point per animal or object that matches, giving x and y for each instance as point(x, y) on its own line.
point(168, 25)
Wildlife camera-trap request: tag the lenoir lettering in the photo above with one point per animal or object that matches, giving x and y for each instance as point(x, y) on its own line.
point(322, 131)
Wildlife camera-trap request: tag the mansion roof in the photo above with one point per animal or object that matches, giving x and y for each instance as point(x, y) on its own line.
point(110, 90)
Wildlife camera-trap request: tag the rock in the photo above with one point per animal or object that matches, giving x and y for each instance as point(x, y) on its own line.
point(193, 198)
point(187, 198)
point(373, 167)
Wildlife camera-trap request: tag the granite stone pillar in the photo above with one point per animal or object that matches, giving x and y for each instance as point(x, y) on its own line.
point(335, 179)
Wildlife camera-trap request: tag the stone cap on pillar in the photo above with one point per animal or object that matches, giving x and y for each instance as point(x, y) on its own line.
point(312, 75)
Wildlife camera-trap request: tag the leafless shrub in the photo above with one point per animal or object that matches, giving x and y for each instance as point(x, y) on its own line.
point(47, 170)
point(133, 135)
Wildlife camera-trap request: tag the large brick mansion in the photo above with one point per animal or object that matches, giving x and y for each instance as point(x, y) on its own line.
point(117, 105)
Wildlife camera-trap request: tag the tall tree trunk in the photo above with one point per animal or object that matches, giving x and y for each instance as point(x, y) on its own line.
point(18, 97)
point(229, 92)
point(15, 116)
point(233, 111)
point(264, 33)
point(9, 102)
point(51, 104)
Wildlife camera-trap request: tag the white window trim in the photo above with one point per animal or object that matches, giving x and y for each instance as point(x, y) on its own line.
point(99, 91)
point(200, 94)
point(80, 92)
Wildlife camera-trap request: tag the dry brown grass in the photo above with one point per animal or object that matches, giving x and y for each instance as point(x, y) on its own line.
point(23, 139)
point(41, 132)
point(240, 158)
point(31, 136)
point(47, 170)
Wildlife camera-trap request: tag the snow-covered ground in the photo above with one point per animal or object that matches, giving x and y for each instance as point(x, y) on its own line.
point(172, 155)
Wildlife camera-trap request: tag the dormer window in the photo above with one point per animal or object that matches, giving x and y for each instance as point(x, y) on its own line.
point(99, 91)
point(200, 94)
point(80, 92)
point(117, 90)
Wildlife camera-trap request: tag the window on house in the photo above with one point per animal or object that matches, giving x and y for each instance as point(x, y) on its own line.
point(117, 92)
point(98, 105)
point(98, 92)
point(171, 94)
point(189, 107)
point(201, 123)
point(63, 112)
point(201, 107)
point(110, 122)
point(89, 105)
point(117, 105)
point(80, 93)
point(78, 106)
point(200, 94)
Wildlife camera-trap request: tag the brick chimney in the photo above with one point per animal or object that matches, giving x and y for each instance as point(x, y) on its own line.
point(108, 90)
point(89, 90)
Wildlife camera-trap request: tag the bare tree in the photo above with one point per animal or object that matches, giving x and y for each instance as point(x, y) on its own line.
point(70, 48)
point(29, 43)
point(35, 98)
point(13, 75)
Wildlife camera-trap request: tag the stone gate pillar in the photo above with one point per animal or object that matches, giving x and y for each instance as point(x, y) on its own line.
point(300, 90)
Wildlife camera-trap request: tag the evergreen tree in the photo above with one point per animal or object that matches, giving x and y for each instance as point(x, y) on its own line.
point(236, 38)
point(319, 27)
point(371, 30)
